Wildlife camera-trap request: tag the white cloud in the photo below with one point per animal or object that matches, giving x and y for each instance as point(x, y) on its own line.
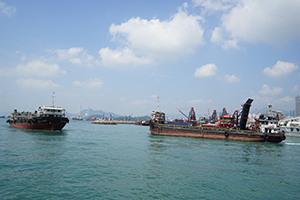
point(296, 89)
point(199, 101)
point(36, 84)
point(122, 58)
point(38, 68)
point(93, 83)
point(270, 21)
point(231, 79)
point(261, 100)
point(266, 90)
point(280, 70)
point(48, 66)
point(165, 40)
point(76, 61)
point(195, 101)
point(285, 100)
point(90, 83)
point(7, 10)
point(141, 102)
point(217, 35)
point(65, 54)
point(77, 83)
point(227, 44)
point(206, 71)
point(75, 55)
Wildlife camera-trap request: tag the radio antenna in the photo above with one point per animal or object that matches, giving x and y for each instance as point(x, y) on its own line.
point(157, 103)
point(53, 99)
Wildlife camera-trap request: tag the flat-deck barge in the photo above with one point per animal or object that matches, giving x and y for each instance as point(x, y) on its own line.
point(238, 133)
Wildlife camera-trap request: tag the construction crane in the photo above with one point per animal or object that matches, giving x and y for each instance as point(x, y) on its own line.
point(182, 113)
point(214, 116)
point(224, 112)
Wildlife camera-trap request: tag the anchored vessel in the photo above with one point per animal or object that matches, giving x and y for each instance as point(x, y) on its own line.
point(291, 126)
point(158, 126)
point(44, 118)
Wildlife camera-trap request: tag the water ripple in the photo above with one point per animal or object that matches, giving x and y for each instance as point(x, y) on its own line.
point(87, 161)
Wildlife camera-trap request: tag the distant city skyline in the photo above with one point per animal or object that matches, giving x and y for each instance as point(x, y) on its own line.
point(119, 56)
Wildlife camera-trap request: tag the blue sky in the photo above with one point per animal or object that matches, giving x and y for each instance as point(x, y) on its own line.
point(119, 56)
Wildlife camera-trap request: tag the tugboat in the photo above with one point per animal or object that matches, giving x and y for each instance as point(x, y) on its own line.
point(44, 118)
point(225, 132)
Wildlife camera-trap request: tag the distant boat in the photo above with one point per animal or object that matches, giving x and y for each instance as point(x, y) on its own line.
point(145, 123)
point(77, 118)
point(44, 118)
point(91, 119)
point(142, 123)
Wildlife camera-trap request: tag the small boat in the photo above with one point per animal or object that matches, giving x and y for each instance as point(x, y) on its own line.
point(44, 118)
point(145, 123)
point(227, 132)
point(142, 123)
point(139, 123)
point(79, 118)
point(91, 119)
point(291, 126)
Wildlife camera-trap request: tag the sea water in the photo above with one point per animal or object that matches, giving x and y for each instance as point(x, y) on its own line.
point(92, 161)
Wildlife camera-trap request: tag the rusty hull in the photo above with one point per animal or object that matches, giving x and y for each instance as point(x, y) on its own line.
point(213, 133)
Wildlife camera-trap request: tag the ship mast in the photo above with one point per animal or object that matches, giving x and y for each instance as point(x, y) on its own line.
point(53, 100)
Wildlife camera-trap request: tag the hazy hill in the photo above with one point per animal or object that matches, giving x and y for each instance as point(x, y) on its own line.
point(93, 113)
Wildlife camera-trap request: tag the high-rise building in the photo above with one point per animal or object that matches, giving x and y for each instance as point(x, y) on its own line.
point(297, 101)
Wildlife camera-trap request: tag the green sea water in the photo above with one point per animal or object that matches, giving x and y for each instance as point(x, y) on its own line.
point(92, 161)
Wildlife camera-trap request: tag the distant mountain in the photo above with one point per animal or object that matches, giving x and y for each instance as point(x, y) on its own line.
point(93, 113)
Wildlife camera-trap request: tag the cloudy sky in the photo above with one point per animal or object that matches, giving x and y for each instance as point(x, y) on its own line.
point(119, 56)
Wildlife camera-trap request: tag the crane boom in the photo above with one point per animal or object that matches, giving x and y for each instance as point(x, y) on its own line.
point(182, 113)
